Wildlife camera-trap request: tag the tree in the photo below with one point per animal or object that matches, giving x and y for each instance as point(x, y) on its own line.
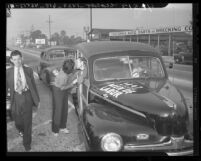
point(66, 40)
point(78, 39)
point(43, 36)
point(62, 36)
point(23, 38)
point(56, 37)
point(36, 35)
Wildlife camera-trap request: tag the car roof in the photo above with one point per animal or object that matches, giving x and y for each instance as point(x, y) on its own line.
point(98, 47)
point(57, 47)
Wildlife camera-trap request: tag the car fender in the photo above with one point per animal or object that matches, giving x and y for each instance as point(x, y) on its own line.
point(45, 76)
point(98, 121)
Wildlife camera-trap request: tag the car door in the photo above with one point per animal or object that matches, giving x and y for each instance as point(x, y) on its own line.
point(82, 90)
point(82, 96)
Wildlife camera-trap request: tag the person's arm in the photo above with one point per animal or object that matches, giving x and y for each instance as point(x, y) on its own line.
point(70, 82)
point(66, 87)
point(34, 85)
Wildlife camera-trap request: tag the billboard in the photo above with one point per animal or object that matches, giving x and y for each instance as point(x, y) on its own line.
point(18, 41)
point(40, 41)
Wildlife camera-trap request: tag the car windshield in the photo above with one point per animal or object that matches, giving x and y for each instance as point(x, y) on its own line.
point(127, 67)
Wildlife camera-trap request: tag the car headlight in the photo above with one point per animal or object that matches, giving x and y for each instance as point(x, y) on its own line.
point(111, 142)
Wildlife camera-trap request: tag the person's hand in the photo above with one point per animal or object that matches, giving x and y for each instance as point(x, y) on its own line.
point(75, 81)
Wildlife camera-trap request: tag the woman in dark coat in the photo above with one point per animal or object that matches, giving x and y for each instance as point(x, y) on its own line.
point(60, 91)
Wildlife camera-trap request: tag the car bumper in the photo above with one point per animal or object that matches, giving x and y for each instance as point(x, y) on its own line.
point(181, 153)
point(169, 148)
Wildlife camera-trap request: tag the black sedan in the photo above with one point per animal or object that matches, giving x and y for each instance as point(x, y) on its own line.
point(51, 60)
point(9, 64)
point(120, 110)
point(183, 58)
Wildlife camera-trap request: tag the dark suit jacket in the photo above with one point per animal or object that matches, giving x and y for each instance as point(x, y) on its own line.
point(30, 82)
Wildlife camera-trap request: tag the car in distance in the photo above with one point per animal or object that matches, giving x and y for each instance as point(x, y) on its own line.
point(183, 58)
point(120, 110)
point(9, 64)
point(51, 60)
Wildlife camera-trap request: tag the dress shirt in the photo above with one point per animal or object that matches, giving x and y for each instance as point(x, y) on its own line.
point(24, 83)
point(61, 79)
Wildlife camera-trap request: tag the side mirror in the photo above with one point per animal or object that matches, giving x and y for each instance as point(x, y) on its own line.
point(170, 65)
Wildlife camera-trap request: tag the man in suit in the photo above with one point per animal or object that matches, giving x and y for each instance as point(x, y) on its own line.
point(24, 96)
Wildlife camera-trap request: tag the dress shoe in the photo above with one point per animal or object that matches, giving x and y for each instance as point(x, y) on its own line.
point(21, 134)
point(65, 130)
point(55, 134)
point(27, 149)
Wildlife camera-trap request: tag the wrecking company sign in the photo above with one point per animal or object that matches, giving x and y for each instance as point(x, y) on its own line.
point(153, 31)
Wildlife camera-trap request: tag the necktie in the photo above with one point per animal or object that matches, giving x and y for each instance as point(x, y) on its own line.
point(19, 85)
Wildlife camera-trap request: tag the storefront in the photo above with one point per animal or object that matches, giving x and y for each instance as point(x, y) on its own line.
point(166, 39)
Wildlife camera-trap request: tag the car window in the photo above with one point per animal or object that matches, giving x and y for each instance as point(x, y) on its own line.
point(70, 54)
point(146, 67)
point(56, 54)
point(156, 68)
point(127, 67)
point(111, 68)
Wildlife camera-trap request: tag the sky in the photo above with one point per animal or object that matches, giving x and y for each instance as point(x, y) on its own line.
point(73, 20)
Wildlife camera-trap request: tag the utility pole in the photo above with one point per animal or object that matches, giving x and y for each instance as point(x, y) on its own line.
point(91, 24)
point(49, 29)
point(31, 31)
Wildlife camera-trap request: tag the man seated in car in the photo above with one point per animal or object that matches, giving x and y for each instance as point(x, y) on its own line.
point(138, 69)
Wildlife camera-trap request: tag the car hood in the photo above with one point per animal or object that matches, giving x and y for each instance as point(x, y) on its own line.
point(158, 101)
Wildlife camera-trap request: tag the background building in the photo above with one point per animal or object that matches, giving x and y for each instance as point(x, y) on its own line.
point(169, 40)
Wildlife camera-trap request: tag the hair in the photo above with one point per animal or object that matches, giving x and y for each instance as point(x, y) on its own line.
point(15, 52)
point(83, 60)
point(68, 66)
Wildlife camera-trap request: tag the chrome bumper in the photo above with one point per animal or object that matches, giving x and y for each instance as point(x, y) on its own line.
point(182, 153)
point(170, 148)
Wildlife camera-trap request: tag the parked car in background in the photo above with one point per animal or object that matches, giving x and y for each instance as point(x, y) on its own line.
point(120, 110)
point(9, 64)
point(183, 58)
point(51, 60)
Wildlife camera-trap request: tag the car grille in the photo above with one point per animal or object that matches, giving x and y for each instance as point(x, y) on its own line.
point(172, 125)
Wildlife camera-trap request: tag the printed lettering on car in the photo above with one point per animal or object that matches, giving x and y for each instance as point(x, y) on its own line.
point(116, 90)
